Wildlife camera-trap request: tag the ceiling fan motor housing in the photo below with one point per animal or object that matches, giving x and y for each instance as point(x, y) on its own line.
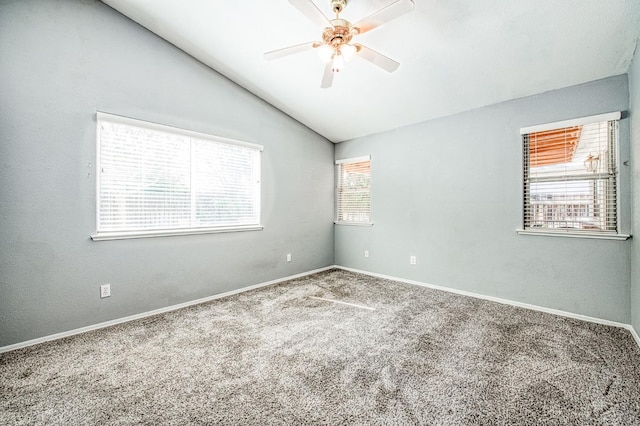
point(339, 34)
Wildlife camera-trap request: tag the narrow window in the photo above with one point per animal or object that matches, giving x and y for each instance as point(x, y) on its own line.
point(353, 191)
point(159, 180)
point(570, 176)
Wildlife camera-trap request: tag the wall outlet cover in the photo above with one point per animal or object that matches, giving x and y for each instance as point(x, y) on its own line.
point(105, 290)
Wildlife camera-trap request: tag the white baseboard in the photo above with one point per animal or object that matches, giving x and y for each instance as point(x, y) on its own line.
point(154, 312)
point(634, 333)
point(503, 301)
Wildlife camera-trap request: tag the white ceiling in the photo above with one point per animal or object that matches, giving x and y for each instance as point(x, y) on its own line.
point(455, 55)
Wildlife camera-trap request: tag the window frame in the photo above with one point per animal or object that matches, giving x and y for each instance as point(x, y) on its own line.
point(610, 235)
point(338, 165)
point(101, 235)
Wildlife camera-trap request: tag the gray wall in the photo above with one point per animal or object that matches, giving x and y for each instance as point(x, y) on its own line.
point(60, 62)
point(634, 108)
point(449, 192)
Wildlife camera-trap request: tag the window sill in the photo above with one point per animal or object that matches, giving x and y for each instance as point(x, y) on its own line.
point(105, 236)
point(353, 223)
point(569, 234)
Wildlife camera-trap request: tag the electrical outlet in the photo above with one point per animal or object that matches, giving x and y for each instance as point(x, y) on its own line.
point(105, 290)
point(366, 253)
point(412, 260)
point(288, 257)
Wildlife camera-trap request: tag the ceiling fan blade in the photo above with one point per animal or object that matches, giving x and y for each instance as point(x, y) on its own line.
point(311, 11)
point(279, 53)
point(376, 58)
point(327, 77)
point(386, 14)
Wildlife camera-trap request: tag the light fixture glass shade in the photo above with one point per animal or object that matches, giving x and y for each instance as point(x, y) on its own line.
point(348, 50)
point(338, 62)
point(325, 53)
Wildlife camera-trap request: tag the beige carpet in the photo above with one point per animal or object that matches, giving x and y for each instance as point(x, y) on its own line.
point(390, 354)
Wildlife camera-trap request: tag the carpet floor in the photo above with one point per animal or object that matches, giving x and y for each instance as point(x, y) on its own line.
point(331, 348)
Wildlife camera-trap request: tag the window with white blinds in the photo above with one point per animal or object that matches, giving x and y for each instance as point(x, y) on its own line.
point(570, 176)
point(155, 180)
point(353, 190)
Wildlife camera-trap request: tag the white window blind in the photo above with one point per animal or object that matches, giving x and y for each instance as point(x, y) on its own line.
point(158, 178)
point(353, 190)
point(570, 176)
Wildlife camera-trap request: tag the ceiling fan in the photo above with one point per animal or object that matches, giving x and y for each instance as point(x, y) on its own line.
point(336, 48)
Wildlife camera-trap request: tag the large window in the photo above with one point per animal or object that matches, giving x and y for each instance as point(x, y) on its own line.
point(353, 191)
point(570, 177)
point(158, 180)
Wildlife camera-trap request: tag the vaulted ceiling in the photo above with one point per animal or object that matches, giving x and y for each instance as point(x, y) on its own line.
point(454, 55)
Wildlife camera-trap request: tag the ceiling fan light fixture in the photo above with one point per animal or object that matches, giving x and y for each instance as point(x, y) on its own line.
point(348, 50)
point(325, 53)
point(338, 62)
